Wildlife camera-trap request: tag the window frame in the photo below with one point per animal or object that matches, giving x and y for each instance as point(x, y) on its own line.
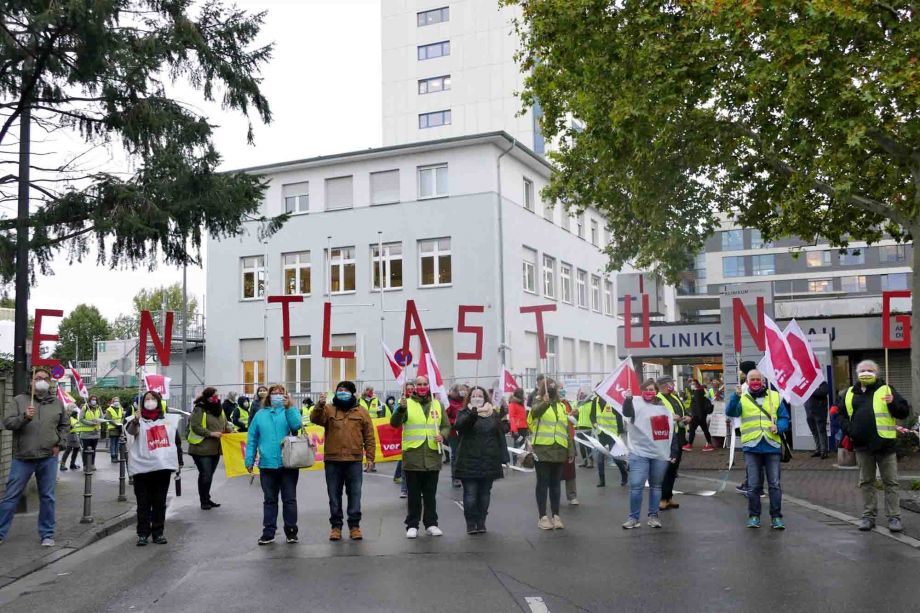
point(759, 257)
point(529, 201)
point(259, 292)
point(298, 269)
point(444, 80)
point(727, 242)
point(446, 119)
point(440, 44)
point(736, 258)
point(388, 259)
point(258, 371)
point(900, 253)
point(551, 272)
point(436, 255)
point(435, 168)
point(596, 294)
point(609, 301)
point(342, 262)
point(848, 253)
point(443, 14)
point(581, 289)
point(371, 176)
point(825, 258)
point(595, 232)
point(297, 359)
point(862, 286)
point(326, 183)
point(531, 267)
point(885, 283)
point(566, 283)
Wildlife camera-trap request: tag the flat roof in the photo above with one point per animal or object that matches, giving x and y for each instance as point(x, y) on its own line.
point(440, 143)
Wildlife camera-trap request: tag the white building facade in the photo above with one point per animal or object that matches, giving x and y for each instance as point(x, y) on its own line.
point(461, 222)
point(449, 70)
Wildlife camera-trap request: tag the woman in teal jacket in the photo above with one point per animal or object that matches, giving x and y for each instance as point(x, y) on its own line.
point(267, 430)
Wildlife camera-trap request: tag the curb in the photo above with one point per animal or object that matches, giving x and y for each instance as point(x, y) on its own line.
point(99, 531)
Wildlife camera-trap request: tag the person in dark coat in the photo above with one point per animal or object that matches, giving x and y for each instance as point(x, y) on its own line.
point(481, 451)
point(816, 416)
point(700, 408)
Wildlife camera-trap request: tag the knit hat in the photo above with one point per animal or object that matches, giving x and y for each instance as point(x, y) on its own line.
point(665, 380)
point(747, 366)
point(347, 385)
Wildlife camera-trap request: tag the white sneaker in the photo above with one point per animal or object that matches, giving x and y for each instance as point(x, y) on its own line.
point(434, 531)
point(574, 502)
point(48, 542)
point(545, 523)
point(412, 533)
point(557, 523)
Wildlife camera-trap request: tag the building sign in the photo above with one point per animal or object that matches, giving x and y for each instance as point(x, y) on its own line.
point(742, 307)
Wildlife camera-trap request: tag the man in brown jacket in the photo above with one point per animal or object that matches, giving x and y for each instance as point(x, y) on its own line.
point(349, 438)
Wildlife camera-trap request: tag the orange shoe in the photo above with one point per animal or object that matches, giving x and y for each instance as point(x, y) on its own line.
point(355, 534)
point(335, 534)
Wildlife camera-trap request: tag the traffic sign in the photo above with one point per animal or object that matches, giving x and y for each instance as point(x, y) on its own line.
point(57, 371)
point(403, 358)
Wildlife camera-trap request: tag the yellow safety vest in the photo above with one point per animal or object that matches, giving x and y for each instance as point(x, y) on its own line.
point(114, 414)
point(193, 438)
point(670, 401)
point(304, 415)
point(421, 427)
point(244, 417)
point(89, 414)
point(550, 430)
point(607, 418)
point(755, 424)
point(584, 415)
point(885, 424)
point(371, 406)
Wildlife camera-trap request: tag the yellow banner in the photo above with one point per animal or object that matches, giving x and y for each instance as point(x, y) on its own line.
point(388, 447)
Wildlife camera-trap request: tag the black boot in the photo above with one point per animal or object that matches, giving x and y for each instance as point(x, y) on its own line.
point(816, 454)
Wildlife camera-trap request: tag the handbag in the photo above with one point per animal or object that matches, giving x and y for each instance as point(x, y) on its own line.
point(529, 459)
point(786, 452)
point(297, 452)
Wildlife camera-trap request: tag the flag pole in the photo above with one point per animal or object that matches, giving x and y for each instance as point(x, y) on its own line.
point(886, 365)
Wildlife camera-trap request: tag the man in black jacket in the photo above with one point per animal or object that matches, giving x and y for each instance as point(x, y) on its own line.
point(868, 411)
point(816, 416)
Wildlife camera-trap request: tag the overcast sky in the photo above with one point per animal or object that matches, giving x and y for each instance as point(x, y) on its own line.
point(323, 86)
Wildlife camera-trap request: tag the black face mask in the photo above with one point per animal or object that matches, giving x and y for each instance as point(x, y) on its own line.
point(213, 408)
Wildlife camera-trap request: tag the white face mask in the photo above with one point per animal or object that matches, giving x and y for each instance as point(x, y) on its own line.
point(42, 386)
point(150, 404)
point(477, 402)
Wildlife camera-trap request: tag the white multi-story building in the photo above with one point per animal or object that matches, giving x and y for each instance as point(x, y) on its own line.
point(449, 70)
point(460, 221)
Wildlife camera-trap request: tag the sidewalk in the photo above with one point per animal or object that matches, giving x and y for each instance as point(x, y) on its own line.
point(801, 460)
point(21, 554)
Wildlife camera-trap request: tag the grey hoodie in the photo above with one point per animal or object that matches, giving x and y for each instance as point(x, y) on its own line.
point(35, 439)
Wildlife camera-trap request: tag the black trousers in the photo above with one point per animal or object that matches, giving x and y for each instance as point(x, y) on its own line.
point(422, 487)
point(477, 493)
point(74, 453)
point(670, 476)
point(818, 426)
point(701, 423)
point(549, 476)
point(150, 489)
point(207, 465)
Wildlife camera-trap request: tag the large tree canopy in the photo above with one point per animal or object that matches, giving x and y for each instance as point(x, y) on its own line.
point(105, 70)
point(797, 118)
point(79, 332)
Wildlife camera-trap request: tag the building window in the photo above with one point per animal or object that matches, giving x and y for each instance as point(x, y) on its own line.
point(820, 286)
point(595, 233)
point(817, 259)
point(432, 181)
point(580, 225)
point(340, 193)
point(530, 270)
point(757, 241)
point(552, 354)
point(853, 285)
point(390, 266)
point(297, 366)
point(566, 221)
point(565, 284)
point(297, 273)
point(434, 119)
point(427, 52)
point(581, 282)
point(853, 257)
point(596, 293)
point(732, 240)
point(892, 254)
point(895, 281)
point(343, 369)
point(296, 197)
point(385, 187)
point(253, 271)
point(549, 276)
point(427, 18)
point(434, 84)
point(608, 298)
point(528, 195)
point(733, 266)
point(434, 262)
point(763, 265)
point(342, 270)
point(253, 375)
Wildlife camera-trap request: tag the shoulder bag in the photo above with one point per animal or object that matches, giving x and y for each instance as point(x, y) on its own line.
point(297, 452)
point(786, 452)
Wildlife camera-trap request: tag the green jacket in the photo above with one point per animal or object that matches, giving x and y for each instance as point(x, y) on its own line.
point(554, 452)
point(35, 439)
point(210, 445)
point(421, 458)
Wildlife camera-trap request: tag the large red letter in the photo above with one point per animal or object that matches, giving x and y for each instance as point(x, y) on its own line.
point(739, 312)
point(327, 336)
point(539, 310)
point(284, 301)
point(414, 327)
point(163, 347)
point(38, 337)
point(646, 341)
point(887, 341)
point(462, 328)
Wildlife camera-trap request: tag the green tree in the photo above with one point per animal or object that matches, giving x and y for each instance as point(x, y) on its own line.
point(795, 118)
point(153, 300)
point(80, 330)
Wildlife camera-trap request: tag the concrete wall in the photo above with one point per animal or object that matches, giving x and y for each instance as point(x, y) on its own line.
point(6, 437)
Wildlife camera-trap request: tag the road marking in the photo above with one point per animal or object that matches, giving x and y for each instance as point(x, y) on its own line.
point(536, 604)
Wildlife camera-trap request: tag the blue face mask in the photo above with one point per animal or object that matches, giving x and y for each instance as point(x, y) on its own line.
point(277, 401)
point(343, 396)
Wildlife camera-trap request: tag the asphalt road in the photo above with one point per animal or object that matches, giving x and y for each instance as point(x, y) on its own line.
point(703, 559)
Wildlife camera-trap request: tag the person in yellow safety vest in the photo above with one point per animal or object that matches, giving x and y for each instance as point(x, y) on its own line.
point(370, 402)
point(764, 417)
point(425, 427)
point(583, 409)
point(306, 406)
point(115, 414)
point(88, 429)
point(672, 401)
point(552, 446)
point(604, 416)
point(240, 416)
point(73, 440)
point(867, 413)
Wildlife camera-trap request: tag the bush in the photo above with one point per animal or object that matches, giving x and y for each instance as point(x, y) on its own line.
point(906, 444)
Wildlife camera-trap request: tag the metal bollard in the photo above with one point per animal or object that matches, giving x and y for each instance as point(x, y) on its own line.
point(87, 489)
point(122, 468)
point(179, 481)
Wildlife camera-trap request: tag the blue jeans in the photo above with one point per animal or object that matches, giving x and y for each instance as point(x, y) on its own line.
point(20, 472)
point(643, 469)
point(275, 481)
point(756, 463)
point(348, 475)
point(114, 442)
